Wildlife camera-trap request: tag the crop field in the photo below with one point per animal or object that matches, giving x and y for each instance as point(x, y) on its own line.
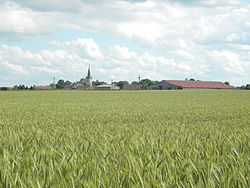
point(125, 139)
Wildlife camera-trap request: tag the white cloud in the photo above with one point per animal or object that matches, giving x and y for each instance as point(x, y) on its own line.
point(15, 69)
point(18, 22)
point(196, 38)
point(117, 62)
point(231, 62)
point(87, 47)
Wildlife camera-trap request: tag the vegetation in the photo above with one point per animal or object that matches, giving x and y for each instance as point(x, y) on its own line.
point(124, 139)
point(247, 87)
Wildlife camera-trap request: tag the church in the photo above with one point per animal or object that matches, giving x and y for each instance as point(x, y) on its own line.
point(86, 84)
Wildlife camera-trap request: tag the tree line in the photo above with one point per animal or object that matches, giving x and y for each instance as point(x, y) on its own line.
point(61, 84)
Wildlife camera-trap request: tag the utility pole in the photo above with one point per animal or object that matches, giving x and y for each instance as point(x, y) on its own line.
point(54, 82)
point(139, 78)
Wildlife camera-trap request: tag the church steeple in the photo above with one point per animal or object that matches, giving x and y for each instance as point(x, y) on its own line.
point(89, 76)
point(89, 79)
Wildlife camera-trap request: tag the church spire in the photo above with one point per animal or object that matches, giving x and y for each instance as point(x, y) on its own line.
point(89, 79)
point(88, 76)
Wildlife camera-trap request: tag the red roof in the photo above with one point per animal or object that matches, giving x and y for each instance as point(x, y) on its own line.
point(200, 84)
point(43, 87)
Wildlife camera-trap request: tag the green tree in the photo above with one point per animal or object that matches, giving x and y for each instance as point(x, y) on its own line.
point(82, 81)
point(114, 83)
point(97, 83)
point(122, 83)
point(248, 86)
point(60, 84)
point(135, 83)
point(226, 82)
point(68, 83)
point(146, 82)
point(243, 87)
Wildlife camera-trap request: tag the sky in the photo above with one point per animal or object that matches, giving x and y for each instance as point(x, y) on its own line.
point(120, 39)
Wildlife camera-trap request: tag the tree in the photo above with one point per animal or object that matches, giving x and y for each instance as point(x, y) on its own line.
point(191, 79)
point(146, 82)
point(82, 81)
point(155, 82)
point(32, 87)
point(114, 83)
point(97, 83)
point(122, 83)
point(21, 87)
point(248, 86)
point(135, 83)
point(3, 88)
point(226, 82)
point(243, 87)
point(67, 83)
point(60, 84)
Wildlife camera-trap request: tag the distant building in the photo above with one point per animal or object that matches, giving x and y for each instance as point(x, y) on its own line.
point(107, 87)
point(87, 84)
point(132, 87)
point(42, 87)
point(89, 79)
point(181, 84)
point(79, 86)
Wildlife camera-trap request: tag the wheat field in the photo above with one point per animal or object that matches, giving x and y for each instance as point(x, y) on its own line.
point(125, 139)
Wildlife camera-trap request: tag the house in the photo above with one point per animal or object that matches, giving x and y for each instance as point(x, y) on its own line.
point(42, 87)
point(132, 87)
point(82, 86)
point(78, 87)
point(183, 84)
point(106, 87)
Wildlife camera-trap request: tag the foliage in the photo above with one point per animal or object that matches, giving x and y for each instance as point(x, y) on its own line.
point(97, 83)
point(122, 83)
point(245, 87)
point(147, 82)
point(62, 84)
point(3, 88)
point(226, 82)
point(124, 139)
point(248, 86)
point(135, 83)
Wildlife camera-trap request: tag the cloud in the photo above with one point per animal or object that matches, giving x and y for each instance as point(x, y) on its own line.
point(15, 69)
point(207, 39)
point(65, 60)
point(231, 62)
point(81, 46)
point(19, 23)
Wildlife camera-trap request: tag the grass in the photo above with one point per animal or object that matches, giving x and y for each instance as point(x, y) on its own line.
point(125, 139)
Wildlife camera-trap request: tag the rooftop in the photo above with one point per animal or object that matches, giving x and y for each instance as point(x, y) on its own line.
point(200, 84)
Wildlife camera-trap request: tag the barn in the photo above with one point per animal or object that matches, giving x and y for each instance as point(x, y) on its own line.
point(132, 87)
point(184, 84)
point(42, 87)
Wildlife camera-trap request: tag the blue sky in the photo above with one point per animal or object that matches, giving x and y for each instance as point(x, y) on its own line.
point(120, 39)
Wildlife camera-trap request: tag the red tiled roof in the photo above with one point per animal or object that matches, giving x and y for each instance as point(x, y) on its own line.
point(43, 87)
point(200, 84)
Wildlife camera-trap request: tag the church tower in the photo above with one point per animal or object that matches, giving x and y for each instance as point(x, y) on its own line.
point(89, 79)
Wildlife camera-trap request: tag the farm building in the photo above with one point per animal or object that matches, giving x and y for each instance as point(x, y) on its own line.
point(183, 84)
point(106, 87)
point(132, 87)
point(78, 86)
point(42, 87)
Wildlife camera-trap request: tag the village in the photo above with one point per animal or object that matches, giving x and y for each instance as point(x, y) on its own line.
point(87, 83)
